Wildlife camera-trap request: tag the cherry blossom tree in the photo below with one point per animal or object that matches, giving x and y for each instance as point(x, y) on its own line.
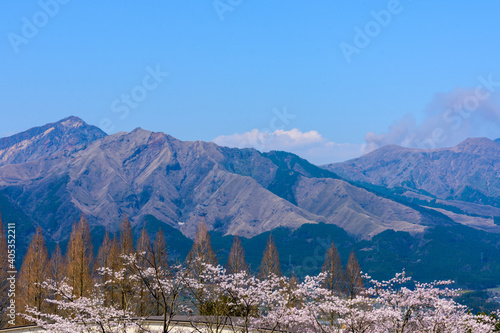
point(239, 302)
point(80, 313)
point(166, 286)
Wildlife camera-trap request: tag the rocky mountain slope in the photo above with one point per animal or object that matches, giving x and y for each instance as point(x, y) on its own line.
point(394, 207)
point(56, 172)
point(47, 140)
point(466, 176)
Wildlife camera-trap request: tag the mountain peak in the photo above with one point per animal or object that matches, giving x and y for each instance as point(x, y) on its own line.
point(140, 130)
point(72, 121)
point(47, 139)
point(476, 145)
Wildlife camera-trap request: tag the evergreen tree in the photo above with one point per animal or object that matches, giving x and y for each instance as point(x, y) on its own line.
point(353, 279)
point(79, 258)
point(270, 263)
point(236, 262)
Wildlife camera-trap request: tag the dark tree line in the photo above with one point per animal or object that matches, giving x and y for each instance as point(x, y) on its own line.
point(110, 269)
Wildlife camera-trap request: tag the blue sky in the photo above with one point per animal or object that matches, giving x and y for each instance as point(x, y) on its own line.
point(267, 74)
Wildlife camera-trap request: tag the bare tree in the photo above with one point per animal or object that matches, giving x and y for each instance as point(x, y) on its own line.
point(198, 260)
point(146, 303)
point(270, 263)
point(202, 251)
point(122, 283)
point(34, 270)
point(105, 254)
point(335, 280)
point(126, 237)
point(159, 252)
point(79, 258)
point(236, 262)
point(108, 256)
point(144, 247)
point(353, 279)
point(57, 266)
point(162, 285)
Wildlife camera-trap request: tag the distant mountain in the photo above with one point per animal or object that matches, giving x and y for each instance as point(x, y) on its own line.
point(466, 174)
point(61, 170)
point(427, 211)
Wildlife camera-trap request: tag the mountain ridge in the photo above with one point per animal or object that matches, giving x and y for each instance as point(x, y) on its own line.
point(467, 172)
point(161, 182)
point(144, 173)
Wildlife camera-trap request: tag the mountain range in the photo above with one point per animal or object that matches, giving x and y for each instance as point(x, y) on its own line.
point(51, 175)
point(61, 170)
point(466, 178)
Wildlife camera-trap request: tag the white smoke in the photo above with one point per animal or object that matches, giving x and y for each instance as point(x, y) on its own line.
point(449, 119)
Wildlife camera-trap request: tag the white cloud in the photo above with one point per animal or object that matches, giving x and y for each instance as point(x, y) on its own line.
point(309, 145)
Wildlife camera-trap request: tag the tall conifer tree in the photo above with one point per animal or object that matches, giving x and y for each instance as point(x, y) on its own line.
point(159, 253)
point(145, 302)
point(236, 262)
point(270, 263)
point(126, 237)
point(57, 264)
point(335, 280)
point(354, 281)
point(34, 270)
point(108, 256)
point(79, 258)
point(202, 247)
